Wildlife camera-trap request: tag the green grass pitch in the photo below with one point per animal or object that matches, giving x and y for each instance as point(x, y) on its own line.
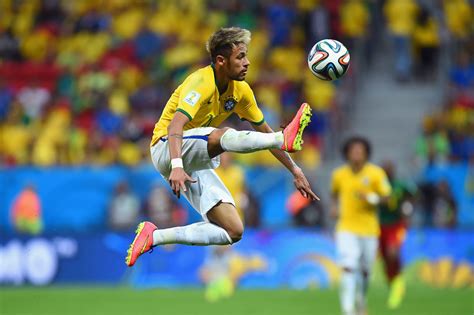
point(123, 300)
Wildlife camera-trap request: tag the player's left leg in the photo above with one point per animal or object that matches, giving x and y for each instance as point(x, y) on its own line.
point(244, 141)
point(348, 252)
point(369, 247)
point(201, 233)
point(394, 266)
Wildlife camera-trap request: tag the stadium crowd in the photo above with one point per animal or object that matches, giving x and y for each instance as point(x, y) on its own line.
point(85, 81)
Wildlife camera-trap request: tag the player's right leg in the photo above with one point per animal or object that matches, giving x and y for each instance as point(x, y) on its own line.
point(349, 252)
point(225, 228)
point(245, 141)
point(368, 247)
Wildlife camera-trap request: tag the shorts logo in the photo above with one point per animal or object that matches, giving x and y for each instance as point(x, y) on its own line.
point(230, 103)
point(192, 98)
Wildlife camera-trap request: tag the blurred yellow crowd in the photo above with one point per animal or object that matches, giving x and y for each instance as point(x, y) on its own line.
point(117, 62)
point(90, 42)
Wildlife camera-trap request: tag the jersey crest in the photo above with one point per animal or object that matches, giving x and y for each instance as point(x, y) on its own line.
point(230, 103)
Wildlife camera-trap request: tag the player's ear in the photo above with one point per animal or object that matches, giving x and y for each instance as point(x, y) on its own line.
point(220, 60)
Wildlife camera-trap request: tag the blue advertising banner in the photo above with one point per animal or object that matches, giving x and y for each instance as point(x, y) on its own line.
point(76, 199)
point(291, 258)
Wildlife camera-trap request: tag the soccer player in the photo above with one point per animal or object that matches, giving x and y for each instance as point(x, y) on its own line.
point(186, 145)
point(393, 230)
point(357, 188)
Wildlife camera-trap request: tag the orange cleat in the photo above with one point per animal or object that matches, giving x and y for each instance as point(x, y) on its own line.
point(142, 243)
point(293, 133)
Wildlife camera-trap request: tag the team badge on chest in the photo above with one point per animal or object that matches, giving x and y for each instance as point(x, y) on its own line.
point(229, 103)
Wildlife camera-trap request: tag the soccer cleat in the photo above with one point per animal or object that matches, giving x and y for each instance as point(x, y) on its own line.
point(397, 293)
point(142, 243)
point(293, 133)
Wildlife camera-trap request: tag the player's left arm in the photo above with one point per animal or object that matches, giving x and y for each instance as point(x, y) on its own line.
point(300, 181)
point(381, 190)
point(251, 112)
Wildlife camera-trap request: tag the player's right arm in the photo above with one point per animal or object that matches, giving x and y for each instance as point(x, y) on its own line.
point(194, 91)
point(178, 176)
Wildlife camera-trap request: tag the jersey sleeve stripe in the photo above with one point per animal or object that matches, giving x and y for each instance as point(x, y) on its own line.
point(184, 112)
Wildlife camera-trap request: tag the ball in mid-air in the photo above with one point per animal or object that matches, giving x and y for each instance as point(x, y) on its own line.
point(328, 59)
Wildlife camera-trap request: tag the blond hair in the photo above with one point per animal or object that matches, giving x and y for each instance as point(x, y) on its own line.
point(224, 40)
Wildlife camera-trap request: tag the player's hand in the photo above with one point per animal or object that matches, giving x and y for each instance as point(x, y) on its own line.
point(303, 186)
point(178, 179)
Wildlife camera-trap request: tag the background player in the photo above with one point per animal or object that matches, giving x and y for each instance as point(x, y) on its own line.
point(185, 147)
point(357, 188)
point(393, 229)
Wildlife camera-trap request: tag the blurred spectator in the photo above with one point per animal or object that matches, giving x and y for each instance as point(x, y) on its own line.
point(147, 44)
point(318, 23)
point(438, 205)
point(33, 98)
point(444, 206)
point(162, 209)
point(233, 177)
point(216, 273)
point(458, 16)
point(433, 144)
point(462, 73)
point(355, 19)
point(6, 98)
point(124, 208)
point(223, 268)
point(281, 16)
point(251, 207)
point(426, 40)
point(401, 20)
point(469, 182)
point(15, 137)
point(26, 212)
point(9, 46)
point(304, 212)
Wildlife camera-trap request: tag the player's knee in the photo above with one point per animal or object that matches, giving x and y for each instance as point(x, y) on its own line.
point(214, 142)
point(347, 269)
point(392, 252)
point(215, 136)
point(365, 273)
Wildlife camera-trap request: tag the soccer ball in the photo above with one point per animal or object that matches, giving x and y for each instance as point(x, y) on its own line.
point(328, 59)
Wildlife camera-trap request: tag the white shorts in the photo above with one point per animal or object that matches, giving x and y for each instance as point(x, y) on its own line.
point(356, 252)
point(209, 190)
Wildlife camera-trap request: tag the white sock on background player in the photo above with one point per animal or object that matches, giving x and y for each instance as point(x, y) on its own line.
point(348, 292)
point(202, 233)
point(361, 293)
point(250, 141)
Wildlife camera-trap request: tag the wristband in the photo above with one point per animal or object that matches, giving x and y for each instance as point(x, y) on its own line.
point(178, 162)
point(373, 198)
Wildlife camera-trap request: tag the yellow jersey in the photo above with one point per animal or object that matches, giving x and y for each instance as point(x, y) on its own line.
point(199, 99)
point(355, 214)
